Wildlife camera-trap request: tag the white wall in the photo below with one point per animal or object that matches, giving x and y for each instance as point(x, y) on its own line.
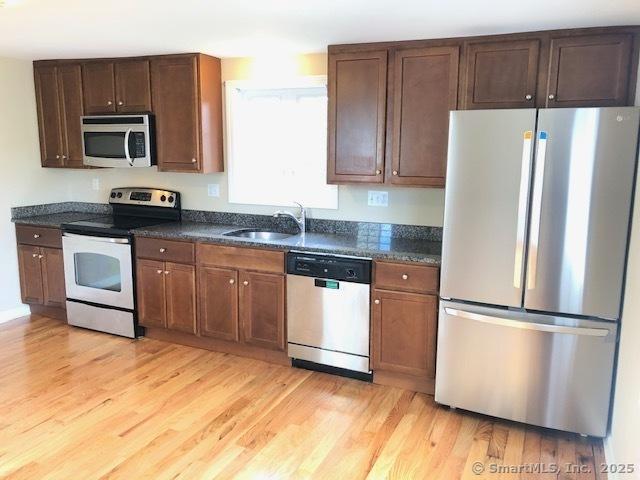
point(623, 443)
point(23, 181)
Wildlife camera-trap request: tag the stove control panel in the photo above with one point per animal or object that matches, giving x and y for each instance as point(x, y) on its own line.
point(145, 196)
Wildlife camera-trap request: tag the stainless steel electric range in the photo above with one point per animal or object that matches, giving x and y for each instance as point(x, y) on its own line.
point(98, 259)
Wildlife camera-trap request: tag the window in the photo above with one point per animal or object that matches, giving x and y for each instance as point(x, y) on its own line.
point(277, 143)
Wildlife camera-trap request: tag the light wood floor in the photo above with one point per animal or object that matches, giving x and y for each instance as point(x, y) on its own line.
point(76, 404)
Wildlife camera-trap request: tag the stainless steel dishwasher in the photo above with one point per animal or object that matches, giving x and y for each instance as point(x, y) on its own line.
point(328, 313)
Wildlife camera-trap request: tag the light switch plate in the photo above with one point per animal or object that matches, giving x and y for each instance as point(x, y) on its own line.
point(95, 183)
point(213, 189)
point(378, 199)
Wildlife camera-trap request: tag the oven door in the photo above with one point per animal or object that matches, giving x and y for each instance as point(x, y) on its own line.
point(108, 145)
point(98, 270)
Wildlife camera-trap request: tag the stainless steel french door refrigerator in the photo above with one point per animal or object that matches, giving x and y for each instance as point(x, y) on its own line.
point(536, 226)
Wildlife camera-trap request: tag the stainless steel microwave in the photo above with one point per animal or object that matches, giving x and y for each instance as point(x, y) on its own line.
point(118, 140)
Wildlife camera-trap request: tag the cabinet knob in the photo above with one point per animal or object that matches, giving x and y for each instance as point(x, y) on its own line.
point(40, 256)
point(232, 281)
point(528, 96)
point(378, 172)
point(395, 172)
point(64, 157)
point(159, 271)
point(193, 160)
point(36, 235)
point(162, 250)
point(34, 255)
point(166, 272)
point(57, 157)
point(552, 96)
point(109, 102)
point(376, 301)
point(405, 276)
point(120, 102)
point(245, 283)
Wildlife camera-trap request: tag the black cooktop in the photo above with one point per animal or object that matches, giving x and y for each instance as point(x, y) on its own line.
point(112, 225)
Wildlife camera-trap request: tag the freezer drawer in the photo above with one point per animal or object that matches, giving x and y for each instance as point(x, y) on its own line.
point(549, 371)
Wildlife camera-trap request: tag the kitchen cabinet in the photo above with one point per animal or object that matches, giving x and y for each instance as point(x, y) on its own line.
point(425, 89)
point(41, 267)
point(218, 303)
point(590, 71)
point(500, 74)
point(357, 110)
point(117, 86)
point(166, 295)
point(187, 101)
point(262, 309)
point(60, 105)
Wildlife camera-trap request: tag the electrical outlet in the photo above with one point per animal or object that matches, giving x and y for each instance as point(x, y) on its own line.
point(95, 184)
point(378, 199)
point(213, 189)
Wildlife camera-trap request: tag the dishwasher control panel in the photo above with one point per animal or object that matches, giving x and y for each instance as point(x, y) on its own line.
point(347, 269)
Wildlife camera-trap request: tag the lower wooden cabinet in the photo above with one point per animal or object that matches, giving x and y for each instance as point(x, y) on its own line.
point(218, 303)
point(262, 309)
point(41, 276)
point(166, 295)
point(404, 329)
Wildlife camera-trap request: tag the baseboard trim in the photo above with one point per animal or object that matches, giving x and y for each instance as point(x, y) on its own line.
point(13, 313)
point(609, 457)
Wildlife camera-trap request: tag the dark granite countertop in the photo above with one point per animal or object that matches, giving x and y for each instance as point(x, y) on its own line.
point(368, 244)
point(54, 219)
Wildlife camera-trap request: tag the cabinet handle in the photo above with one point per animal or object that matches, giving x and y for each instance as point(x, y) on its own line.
point(159, 271)
point(378, 172)
point(232, 281)
point(34, 255)
point(193, 160)
point(166, 272)
point(405, 276)
point(36, 235)
point(245, 283)
point(528, 96)
point(162, 250)
point(109, 102)
point(120, 103)
point(395, 172)
point(376, 301)
point(552, 96)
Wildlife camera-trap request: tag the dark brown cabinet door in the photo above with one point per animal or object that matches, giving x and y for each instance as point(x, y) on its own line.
point(174, 82)
point(425, 89)
point(591, 70)
point(404, 333)
point(262, 309)
point(357, 114)
point(49, 115)
point(70, 87)
point(500, 74)
point(180, 290)
point(52, 265)
point(152, 310)
point(218, 303)
point(30, 274)
point(133, 86)
point(99, 87)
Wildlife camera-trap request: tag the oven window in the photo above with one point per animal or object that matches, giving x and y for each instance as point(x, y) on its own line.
point(104, 144)
point(98, 271)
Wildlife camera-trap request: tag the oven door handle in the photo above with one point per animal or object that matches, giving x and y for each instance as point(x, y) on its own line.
point(127, 154)
point(97, 239)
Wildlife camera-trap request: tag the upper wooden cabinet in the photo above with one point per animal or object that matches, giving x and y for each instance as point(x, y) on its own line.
point(59, 103)
point(500, 74)
point(187, 101)
point(357, 109)
point(425, 89)
point(123, 86)
point(591, 70)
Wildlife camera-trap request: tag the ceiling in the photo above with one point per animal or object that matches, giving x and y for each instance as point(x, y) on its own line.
point(36, 29)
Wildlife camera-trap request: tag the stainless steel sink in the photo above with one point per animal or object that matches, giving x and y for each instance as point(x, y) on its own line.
point(257, 234)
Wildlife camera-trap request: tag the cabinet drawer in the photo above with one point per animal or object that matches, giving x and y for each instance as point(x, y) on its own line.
point(169, 250)
point(241, 258)
point(402, 276)
point(41, 236)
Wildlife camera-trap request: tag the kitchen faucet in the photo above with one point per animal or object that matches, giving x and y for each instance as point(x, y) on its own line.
point(300, 220)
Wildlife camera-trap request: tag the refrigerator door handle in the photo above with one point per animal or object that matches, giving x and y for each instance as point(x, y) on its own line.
point(522, 208)
point(540, 327)
point(536, 209)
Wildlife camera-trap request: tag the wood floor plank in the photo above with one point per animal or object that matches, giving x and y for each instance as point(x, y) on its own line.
point(82, 404)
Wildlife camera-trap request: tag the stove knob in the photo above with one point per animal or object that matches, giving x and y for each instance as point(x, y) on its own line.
point(119, 194)
point(113, 194)
point(171, 199)
point(163, 198)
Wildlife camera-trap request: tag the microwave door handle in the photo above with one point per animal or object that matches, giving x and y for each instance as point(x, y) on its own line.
point(127, 154)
